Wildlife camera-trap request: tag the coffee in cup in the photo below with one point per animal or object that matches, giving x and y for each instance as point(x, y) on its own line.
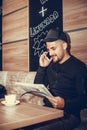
point(10, 99)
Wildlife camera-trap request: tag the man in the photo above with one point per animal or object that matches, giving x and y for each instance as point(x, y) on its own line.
point(65, 75)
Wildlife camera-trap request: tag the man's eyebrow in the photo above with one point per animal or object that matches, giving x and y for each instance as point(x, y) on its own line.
point(51, 48)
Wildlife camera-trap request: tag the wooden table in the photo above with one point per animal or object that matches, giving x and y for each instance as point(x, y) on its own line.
point(25, 114)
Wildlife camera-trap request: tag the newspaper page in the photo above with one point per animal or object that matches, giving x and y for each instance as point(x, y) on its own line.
point(36, 89)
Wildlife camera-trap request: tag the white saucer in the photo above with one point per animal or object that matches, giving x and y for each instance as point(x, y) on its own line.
point(6, 104)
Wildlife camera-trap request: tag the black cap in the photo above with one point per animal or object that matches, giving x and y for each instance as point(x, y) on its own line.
point(55, 34)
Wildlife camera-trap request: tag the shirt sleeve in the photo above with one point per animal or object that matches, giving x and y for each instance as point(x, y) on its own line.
point(41, 77)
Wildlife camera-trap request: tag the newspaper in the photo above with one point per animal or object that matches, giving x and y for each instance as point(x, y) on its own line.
point(36, 89)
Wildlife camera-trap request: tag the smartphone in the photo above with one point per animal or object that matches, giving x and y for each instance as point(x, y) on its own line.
point(48, 55)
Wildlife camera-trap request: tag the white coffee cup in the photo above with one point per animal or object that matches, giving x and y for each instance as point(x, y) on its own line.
point(10, 99)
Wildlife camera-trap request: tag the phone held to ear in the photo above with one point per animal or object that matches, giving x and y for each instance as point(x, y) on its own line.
point(48, 56)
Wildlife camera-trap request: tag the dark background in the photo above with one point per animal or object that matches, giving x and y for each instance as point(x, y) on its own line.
point(0, 34)
point(35, 19)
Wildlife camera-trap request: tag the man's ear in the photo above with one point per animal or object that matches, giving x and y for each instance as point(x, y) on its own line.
point(64, 45)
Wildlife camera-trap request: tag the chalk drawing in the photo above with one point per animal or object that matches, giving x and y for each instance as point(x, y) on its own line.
point(43, 11)
point(43, 1)
point(39, 45)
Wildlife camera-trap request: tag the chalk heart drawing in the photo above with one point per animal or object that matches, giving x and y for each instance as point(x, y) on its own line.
point(43, 1)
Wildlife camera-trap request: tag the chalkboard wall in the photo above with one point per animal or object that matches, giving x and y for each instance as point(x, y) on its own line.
point(44, 15)
point(0, 34)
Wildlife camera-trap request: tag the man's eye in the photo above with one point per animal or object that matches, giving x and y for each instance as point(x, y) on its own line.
point(53, 49)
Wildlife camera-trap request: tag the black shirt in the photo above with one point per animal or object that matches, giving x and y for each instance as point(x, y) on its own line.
point(67, 80)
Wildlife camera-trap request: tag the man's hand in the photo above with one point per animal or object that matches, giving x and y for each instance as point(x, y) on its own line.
point(57, 102)
point(44, 60)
